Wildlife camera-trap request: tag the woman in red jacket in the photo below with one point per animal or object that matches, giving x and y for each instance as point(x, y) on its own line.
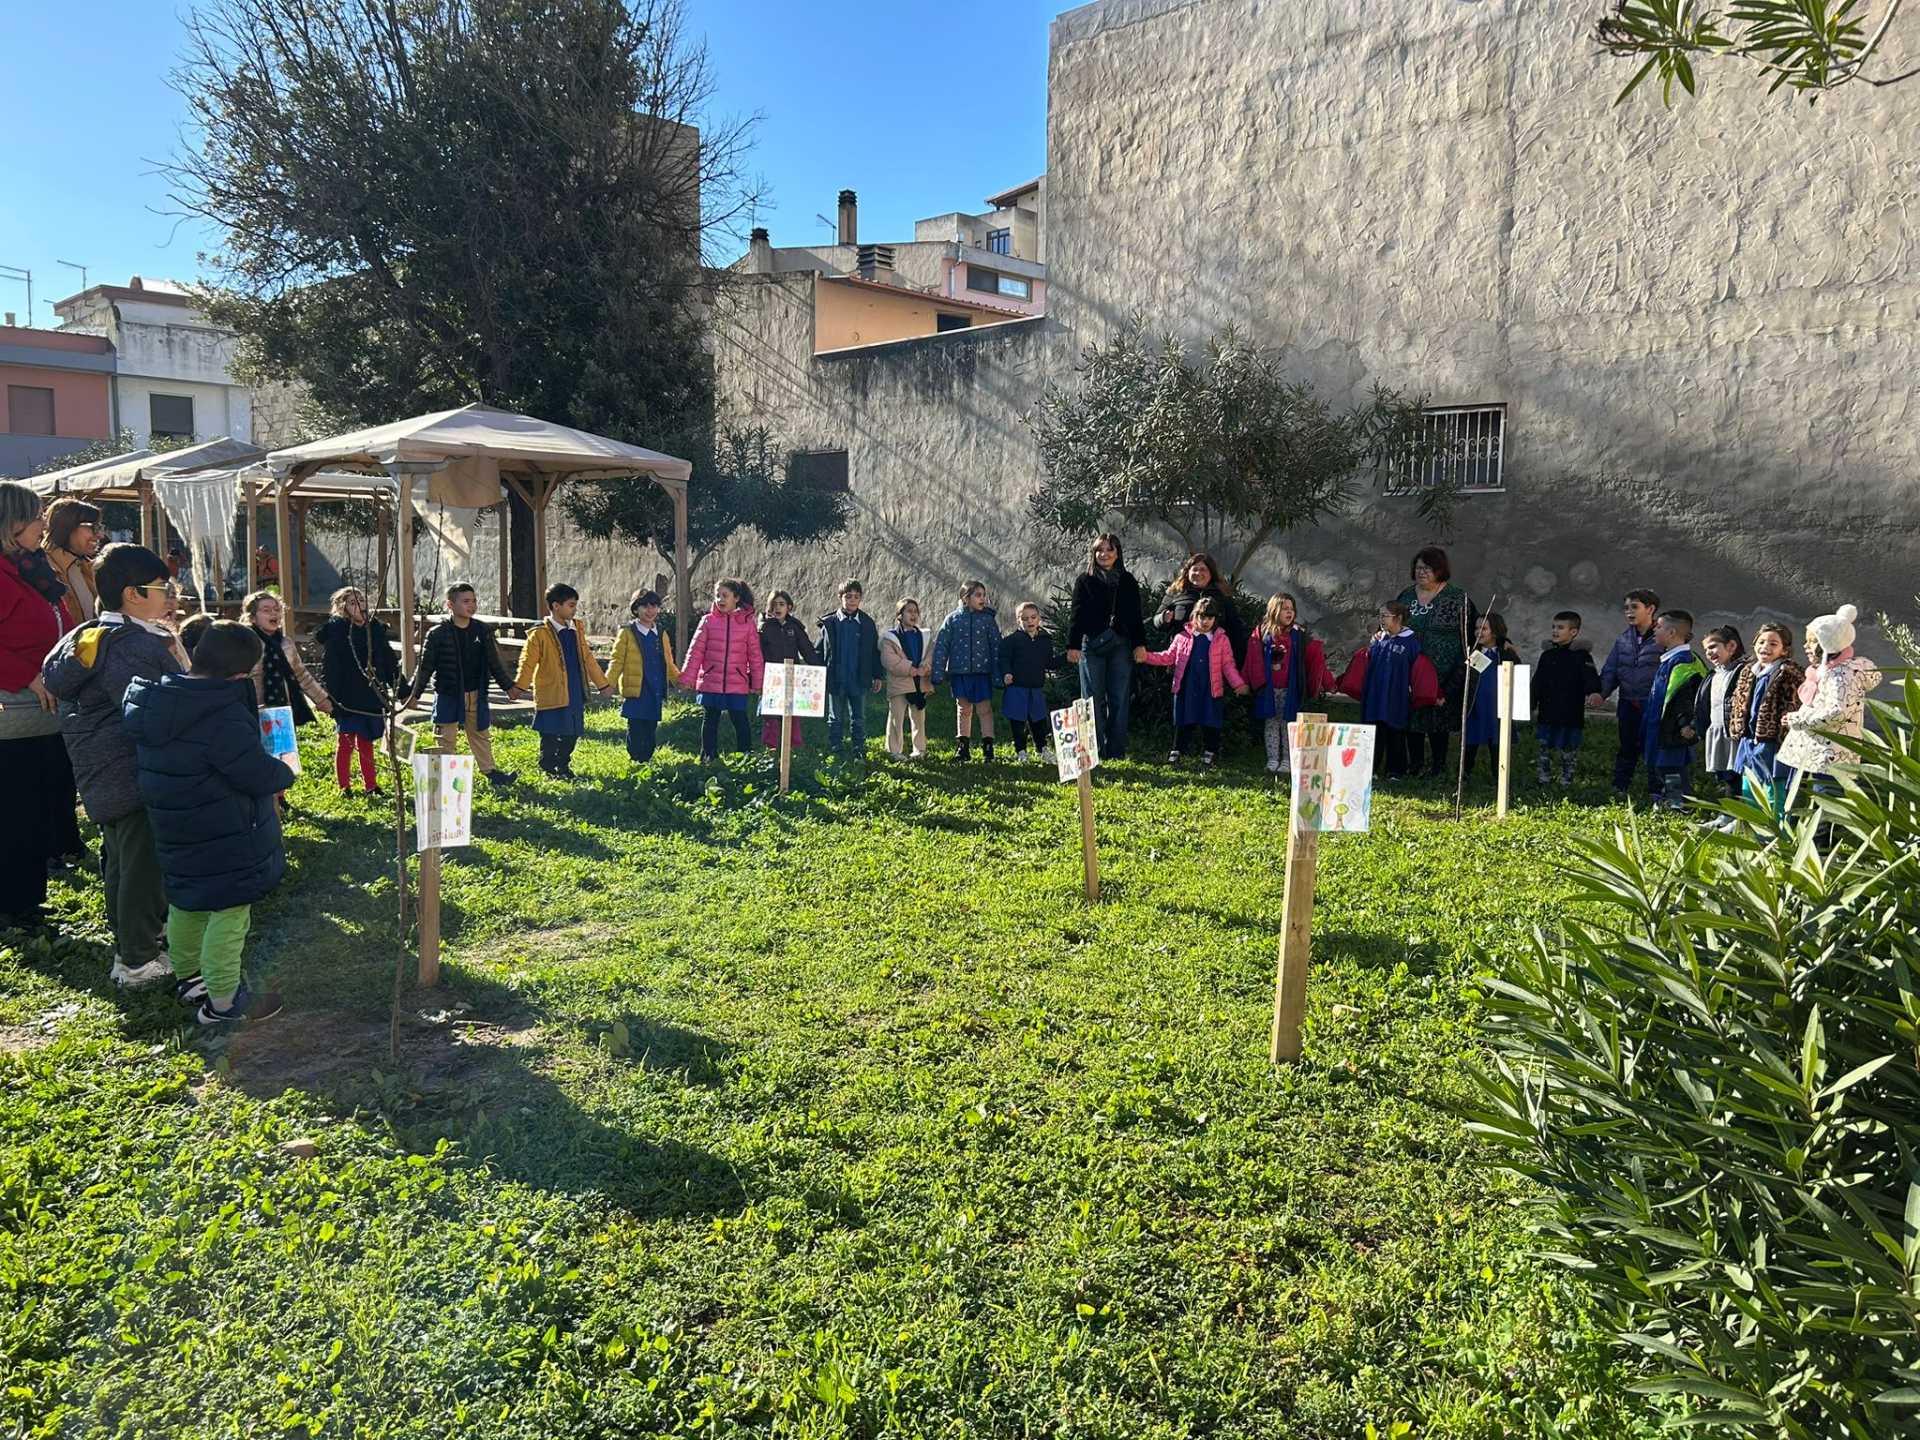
point(40, 825)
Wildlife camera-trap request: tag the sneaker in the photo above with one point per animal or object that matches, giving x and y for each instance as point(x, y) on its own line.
point(1045, 755)
point(502, 779)
point(1208, 760)
point(1173, 757)
point(246, 1006)
point(986, 751)
point(1543, 772)
point(134, 977)
point(1274, 767)
point(190, 990)
point(1019, 757)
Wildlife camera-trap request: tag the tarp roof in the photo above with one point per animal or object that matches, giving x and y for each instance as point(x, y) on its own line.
point(124, 472)
point(499, 439)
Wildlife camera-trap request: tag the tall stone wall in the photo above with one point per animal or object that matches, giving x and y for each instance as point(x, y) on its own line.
point(1704, 322)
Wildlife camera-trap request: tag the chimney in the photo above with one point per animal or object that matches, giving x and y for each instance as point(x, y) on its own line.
point(875, 262)
point(9, 319)
point(849, 218)
point(759, 257)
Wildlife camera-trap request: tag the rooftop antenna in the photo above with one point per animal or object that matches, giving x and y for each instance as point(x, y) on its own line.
point(71, 266)
point(826, 222)
point(14, 272)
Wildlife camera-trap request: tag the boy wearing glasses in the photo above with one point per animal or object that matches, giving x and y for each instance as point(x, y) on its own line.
point(89, 672)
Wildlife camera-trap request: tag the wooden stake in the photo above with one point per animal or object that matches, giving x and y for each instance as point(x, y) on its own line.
point(253, 536)
point(1089, 851)
point(1296, 939)
point(430, 887)
point(786, 731)
point(1506, 738)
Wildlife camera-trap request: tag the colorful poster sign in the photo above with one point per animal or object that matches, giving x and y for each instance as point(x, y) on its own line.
point(442, 800)
point(278, 735)
point(809, 691)
point(1076, 743)
point(1332, 775)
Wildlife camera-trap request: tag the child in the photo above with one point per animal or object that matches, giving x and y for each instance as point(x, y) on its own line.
point(1764, 694)
point(1286, 669)
point(783, 638)
point(209, 786)
point(1563, 680)
point(193, 629)
point(460, 655)
point(280, 678)
point(1391, 679)
point(724, 666)
point(1727, 659)
point(89, 672)
point(1667, 729)
point(1840, 684)
point(558, 665)
point(1629, 669)
point(850, 649)
point(642, 667)
point(903, 655)
point(1201, 658)
point(1026, 656)
point(967, 649)
point(1483, 709)
point(360, 671)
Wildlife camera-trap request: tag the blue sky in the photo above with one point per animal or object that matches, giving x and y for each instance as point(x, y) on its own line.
point(921, 108)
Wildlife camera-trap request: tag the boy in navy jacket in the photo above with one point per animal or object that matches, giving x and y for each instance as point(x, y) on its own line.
point(1629, 670)
point(209, 786)
point(850, 649)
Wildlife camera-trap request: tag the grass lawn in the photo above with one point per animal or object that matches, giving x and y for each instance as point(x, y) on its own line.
point(903, 1139)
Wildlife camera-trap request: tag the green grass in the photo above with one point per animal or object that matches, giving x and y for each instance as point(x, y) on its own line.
point(904, 1139)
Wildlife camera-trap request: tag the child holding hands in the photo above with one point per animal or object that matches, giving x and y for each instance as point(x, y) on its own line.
point(783, 638)
point(558, 665)
point(642, 667)
point(1483, 710)
point(1026, 658)
point(903, 655)
point(1391, 679)
point(1285, 668)
point(725, 667)
point(966, 651)
point(1201, 658)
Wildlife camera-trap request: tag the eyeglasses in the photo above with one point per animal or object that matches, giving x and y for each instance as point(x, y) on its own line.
point(169, 589)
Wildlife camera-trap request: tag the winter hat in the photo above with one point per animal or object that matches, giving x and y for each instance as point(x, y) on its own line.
point(1834, 633)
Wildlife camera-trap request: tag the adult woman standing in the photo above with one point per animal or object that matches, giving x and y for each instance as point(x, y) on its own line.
point(33, 757)
point(1199, 577)
point(73, 538)
point(1105, 630)
point(1445, 620)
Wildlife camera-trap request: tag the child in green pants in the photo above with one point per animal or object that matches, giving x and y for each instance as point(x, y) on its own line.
point(209, 786)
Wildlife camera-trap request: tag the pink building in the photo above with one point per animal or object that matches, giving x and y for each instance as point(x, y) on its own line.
point(56, 395)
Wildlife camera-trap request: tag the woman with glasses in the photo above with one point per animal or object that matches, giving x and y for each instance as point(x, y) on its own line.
point(40, 821)
point(73, 539)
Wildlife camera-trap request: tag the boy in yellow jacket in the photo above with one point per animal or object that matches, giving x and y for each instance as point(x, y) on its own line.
point(643, 668)
point(557, 666)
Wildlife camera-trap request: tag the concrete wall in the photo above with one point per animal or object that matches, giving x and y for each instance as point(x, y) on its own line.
point(217, 409)
point(1702, 321)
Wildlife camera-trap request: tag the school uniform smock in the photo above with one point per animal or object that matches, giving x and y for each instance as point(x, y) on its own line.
point(1386, 697)
point(1197, 704)
point(570, 718)
point(1483, 717)
point(652, 652)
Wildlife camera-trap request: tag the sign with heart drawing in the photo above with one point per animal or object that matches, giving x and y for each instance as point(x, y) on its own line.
point(1332, 775)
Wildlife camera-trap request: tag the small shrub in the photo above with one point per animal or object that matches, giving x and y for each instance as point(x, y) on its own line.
point(1711, 1069)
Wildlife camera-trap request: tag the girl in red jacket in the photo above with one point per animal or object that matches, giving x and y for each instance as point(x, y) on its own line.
point(1286, 668)
point(724, 665)
point(1201, 658)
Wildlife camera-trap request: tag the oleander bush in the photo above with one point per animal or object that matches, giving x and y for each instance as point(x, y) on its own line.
point(1710, 1067)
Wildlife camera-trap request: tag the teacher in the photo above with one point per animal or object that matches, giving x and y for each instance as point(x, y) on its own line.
point(1444, 619)
point(1200, 577)
point(1105, 629)
point(33, 757)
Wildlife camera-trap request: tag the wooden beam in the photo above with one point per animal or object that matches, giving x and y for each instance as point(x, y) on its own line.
point(682, 567)
point(253, 535)
point(542, 494)
point(504, 512)
point(1296, 939)
point(283, 532)
point(403, 546)
point(382, 525)
point(145, 502)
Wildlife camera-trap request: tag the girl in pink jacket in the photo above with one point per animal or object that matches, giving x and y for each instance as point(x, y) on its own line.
point(1201, 658)
point(724, 665)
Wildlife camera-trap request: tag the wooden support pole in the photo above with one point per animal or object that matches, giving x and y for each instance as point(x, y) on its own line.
point(1506, 739)
point(403, 558)
point(1296, 939)
point(382, 529)
point(144, 499)
point(300, 551)
point(505, 513)
point(283, 532)
point(786, 732)
point(682, 568)
point(542, 493)
point(1089, 852)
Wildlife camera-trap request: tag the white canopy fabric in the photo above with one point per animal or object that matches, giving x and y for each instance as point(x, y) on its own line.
point(79, 479)
point(125, 472)
point(201, 508)
point(477, 442)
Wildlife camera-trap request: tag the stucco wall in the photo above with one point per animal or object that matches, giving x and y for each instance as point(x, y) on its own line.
point(217, 409)
point(1705, 322)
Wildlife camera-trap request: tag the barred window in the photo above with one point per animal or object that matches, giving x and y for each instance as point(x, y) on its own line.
point(1465, 449)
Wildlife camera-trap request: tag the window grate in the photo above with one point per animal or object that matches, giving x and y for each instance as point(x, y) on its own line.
point(1464, 449)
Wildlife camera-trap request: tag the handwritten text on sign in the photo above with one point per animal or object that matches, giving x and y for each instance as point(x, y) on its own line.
point(278, 735)
point(1332, 775)
point(1076, 743)
point(809, 691)
point(442, 799)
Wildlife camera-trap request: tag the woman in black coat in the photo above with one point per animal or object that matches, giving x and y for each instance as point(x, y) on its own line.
point(1198, 577)
point(360, 671)
point(1105, 631)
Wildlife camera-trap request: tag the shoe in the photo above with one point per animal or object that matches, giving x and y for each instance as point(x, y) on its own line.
point(1274, 767)
point(1045, 755)
point(1019, 757)
point(1208, 760)
point(565, 772)
point(374, 794)
point(1173, 757)
point(964, 752)
point(190, 990)
point(986, 751)
point(1543, 772)
point(919, 754)
point(502, 779)
point(246, 1006)
point(135, 977)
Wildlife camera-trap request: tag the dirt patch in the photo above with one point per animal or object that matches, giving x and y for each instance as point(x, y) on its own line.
point(17, 1038)
point(561, 942)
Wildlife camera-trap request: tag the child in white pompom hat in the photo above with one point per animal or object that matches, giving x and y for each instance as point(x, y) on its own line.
point(1838, 682)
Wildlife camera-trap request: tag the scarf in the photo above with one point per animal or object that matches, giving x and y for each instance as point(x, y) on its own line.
point(278, 687)
point(1109, 576)
point(37, 570)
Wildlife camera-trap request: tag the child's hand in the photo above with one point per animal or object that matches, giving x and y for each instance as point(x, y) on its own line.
point(1687, 732)
point(1594, 702)
point(1139, 654)
point(1007, 680)
point(1073, 657)
point(1241, 690)
point(876, 686)
point(326, 707)
point(606, 689)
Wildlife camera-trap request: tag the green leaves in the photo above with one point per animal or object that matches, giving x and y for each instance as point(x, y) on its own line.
point(1809, 45)
point(1712, 1073)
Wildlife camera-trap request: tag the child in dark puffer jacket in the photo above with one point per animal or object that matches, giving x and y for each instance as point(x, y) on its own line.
point(967, 652)
point(209, 787)
point(783, 638)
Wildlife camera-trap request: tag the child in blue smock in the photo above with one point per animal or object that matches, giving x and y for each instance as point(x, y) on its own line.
point(1483, 708)
point(642, 667)
point(557, 666)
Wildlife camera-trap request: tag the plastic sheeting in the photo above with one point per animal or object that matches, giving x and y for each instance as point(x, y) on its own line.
point(202, 508)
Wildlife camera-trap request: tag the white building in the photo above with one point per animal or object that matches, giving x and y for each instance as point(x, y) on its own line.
point(172, 376)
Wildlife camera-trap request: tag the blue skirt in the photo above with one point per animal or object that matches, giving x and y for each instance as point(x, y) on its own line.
point(644, 706)
point(1559, 737)
point(561, 720)
point(974, 689)
point(722, 702)
point(1197, 705)
point(367, 727)
point(1026, 703)
point(452, 710)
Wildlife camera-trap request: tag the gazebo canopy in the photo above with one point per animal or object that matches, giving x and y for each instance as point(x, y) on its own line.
point(125, 473)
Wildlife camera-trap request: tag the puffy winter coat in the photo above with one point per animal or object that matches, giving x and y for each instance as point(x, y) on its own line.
point(628, 668)
point(89, 670)
point(725, 658)
point(1838, 705)
point(543, 667)
point(893, 659)
point(348, 652)
point(840, 633)
point(784, 640)
point(968, 644)
point(208, 785)
point(1221, 669)
point(1632, 664)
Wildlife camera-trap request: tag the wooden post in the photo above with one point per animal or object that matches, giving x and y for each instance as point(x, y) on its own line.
point(542, 492)
point(253, 535)
point(144, 498)
point(786, 731)
point(1296, 939)
point(382, 527)
point(682, 565)
point(1088, 852)
point(403, 564)
point(300, 551)
point(430, 886)
point(505, 511)
point(282, 530)
point(1506, 738)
